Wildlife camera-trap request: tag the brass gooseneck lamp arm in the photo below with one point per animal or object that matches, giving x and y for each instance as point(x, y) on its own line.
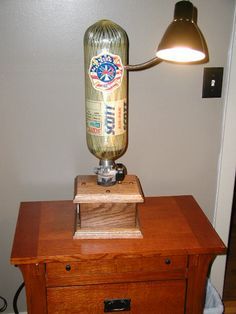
point(143, 66)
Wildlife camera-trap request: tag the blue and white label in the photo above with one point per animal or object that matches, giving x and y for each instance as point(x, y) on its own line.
point(106, 72)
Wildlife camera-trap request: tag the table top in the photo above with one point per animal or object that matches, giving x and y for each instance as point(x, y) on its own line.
point(171, 225)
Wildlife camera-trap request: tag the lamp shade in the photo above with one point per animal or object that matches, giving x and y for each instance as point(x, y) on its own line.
point(183, 40)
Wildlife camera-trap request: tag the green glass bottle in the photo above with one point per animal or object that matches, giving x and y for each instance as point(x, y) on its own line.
point(105, 53)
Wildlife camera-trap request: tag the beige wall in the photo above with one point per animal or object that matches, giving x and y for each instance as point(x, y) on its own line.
point(174, 134)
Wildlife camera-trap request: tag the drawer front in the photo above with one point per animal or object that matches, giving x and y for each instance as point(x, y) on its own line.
point(153, 297)
point(116, 270)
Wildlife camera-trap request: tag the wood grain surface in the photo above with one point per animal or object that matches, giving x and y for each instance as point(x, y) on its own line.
point(170, 225)
point(88, 191)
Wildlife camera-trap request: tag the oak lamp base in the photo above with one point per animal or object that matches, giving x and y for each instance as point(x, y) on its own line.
point(107, 212)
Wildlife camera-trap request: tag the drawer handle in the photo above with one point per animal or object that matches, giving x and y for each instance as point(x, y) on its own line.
point(68, 267)
point(168, 261)
point(117, 305)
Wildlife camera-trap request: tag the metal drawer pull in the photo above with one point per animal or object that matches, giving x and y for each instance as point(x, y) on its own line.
point(117, 305)
point(168, 261)
point(68, 267)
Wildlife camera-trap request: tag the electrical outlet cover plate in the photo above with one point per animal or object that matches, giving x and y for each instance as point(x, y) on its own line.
point(212, 82)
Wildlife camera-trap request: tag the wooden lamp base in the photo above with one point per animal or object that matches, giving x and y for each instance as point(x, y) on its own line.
point(107, 212)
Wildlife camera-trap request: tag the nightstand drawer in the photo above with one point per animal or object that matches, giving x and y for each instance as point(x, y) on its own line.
point(116, 270)
point(144, 297)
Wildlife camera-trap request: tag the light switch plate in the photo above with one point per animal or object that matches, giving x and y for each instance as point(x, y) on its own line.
point(212, 82)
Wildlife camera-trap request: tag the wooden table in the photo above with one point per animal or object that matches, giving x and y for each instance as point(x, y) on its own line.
point(165, 272)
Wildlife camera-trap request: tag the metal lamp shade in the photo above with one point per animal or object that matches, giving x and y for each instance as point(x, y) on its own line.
point(183, 40)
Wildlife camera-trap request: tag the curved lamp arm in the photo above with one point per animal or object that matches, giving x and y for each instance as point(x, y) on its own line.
point(142, 66)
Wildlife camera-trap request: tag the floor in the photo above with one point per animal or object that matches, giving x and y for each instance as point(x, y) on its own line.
point(230, 307)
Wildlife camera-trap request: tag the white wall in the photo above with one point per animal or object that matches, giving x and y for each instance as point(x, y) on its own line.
point(174, 138)
point(227, 166)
